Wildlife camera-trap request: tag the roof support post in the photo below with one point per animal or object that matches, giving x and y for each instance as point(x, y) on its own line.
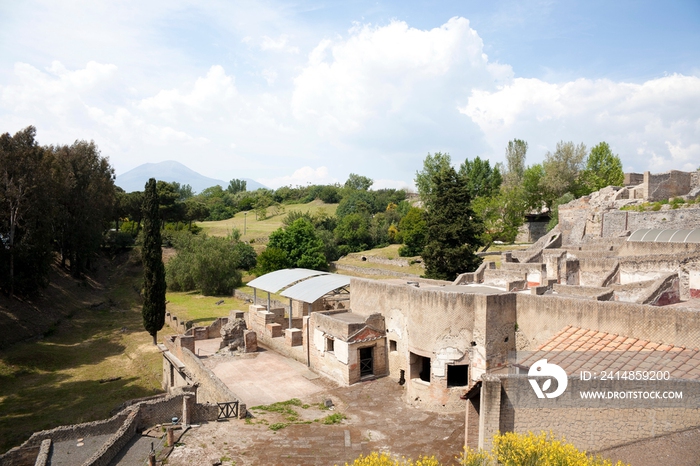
point(268, 301)
point(255, 296)
point(290, 312)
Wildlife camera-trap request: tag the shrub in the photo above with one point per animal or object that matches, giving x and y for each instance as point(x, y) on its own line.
point(209, 264)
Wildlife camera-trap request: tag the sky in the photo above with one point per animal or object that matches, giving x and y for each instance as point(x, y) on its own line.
point(291, 93)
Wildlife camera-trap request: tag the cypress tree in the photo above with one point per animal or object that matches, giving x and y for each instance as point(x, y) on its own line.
point(453, 230)
point(153, 268)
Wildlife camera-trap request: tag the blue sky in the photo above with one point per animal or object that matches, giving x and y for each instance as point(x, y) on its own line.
point(309, 91)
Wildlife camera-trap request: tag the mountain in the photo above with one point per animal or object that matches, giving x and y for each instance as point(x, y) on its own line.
point(170, 170)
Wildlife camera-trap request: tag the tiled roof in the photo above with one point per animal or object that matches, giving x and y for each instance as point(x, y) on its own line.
point(365, 334)
point(575, 349)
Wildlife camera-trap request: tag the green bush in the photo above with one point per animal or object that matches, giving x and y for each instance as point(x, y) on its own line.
point(210, 264)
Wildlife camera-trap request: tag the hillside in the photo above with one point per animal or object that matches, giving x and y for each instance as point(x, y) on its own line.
point(257, 231)
point(170, 170)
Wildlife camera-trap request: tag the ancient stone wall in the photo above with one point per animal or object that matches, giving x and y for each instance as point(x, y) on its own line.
point(613, 426)
point(211, 389)
point(660, 186)
point(123, 426)
point(541, 317)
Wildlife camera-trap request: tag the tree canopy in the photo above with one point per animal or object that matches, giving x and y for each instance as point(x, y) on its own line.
point(153, 269)
point(454, 231)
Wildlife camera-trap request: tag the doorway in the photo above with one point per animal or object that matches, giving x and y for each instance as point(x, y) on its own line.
point(366, 361)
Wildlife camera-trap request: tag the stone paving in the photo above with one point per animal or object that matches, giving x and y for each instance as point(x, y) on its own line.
point(377, 420)
point(263, 377)
point(72, 452)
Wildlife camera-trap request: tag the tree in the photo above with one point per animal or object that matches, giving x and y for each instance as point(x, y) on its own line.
point(536, 193)
point(271, 259)
point(413, 232)
point(502, 214)
point(603, 168)
point(153, 269)
point(300, 244)
point(357, 202)
point(479, 178)
point(563, 167)
point(353, 231)
point(236, 186)
point(454, 231)
point(424, 178)
point(358, 182)
point(26, 209)
point(515, 162)
point(85, 191)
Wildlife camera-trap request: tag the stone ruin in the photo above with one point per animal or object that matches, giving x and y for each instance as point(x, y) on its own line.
point(235, 335)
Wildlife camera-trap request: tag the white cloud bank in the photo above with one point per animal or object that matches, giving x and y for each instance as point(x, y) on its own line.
point(373, 102)
point(652, 126)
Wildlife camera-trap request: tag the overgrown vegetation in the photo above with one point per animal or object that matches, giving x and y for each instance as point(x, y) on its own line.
point(207, 263)
point(285, 409)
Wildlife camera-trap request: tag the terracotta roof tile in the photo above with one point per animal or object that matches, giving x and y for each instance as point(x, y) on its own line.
point(576, 349)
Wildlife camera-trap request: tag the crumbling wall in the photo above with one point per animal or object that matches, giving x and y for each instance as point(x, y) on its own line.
point(660, 186)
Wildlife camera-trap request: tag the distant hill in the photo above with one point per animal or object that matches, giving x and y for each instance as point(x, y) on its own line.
point(170, 170)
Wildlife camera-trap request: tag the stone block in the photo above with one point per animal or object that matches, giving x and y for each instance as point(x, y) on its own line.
point(256, 308)
point(278, 312)
point(273, 330)
point(293, 337)
point(251, 341)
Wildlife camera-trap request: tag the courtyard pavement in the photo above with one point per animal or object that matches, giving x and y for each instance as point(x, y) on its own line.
point(377, 419)
point(260, 378)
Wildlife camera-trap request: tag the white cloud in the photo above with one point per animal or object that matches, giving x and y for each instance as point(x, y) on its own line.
point(301, 177)
point(650, 125)
point(208, 92)
point(391, 72)
point(279, 45)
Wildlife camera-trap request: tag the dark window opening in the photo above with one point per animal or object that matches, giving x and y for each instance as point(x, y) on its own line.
point(392, 345)
point(425, 369)
point(330, 344)
point(458, 376)
point(366, 361)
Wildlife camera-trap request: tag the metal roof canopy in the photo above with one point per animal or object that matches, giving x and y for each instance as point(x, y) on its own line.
point(274, 281)
point(313, 288)
point(665, 236)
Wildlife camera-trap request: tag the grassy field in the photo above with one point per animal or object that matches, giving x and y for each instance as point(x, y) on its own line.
point(261, 229)
point(389, 252)
point(56, 380)
point(200, 309)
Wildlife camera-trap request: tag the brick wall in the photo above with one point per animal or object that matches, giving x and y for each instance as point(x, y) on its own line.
point(593, 429)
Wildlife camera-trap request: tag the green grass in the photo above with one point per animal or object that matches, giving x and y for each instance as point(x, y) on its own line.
point(334, 418)
point(259, 230)
point(55, 381)
point(285, 409)
point(202, 310)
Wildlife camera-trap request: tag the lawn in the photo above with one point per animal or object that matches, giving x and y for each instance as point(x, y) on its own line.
point(56, 380)
point(200, 309)
point(258, 230)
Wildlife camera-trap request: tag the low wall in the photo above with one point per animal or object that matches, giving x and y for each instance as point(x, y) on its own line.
point(123, 426)
point(371, 271)
point(210, 389)
point(585, 292)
